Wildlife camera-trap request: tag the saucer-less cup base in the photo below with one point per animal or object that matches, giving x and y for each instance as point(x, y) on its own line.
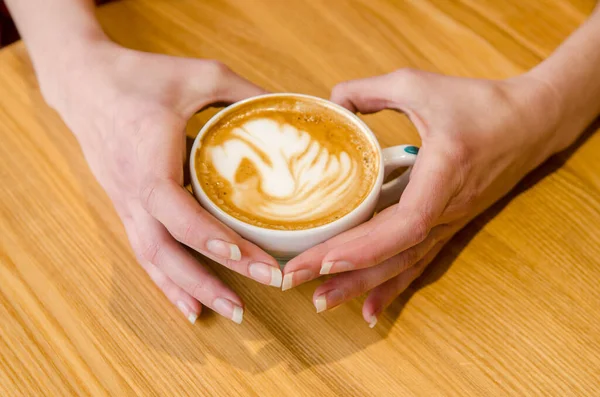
point(285, 244)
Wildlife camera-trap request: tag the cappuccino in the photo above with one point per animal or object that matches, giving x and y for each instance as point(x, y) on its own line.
point(286, 163)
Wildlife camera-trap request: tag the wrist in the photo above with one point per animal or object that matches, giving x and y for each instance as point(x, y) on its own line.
point(57, 70)
point(572, 73)
point(568, 122)
point(55, 32)
point(542, 116)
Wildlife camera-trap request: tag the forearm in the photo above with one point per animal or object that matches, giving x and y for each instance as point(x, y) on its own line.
point(52, 30)
point(573, 73)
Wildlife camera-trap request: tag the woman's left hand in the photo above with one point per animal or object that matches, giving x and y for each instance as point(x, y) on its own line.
point(479, 138)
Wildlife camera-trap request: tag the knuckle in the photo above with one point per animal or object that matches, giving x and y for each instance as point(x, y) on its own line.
point(339, 90)
point(147, 195)
point(217, 67)
point(217, 72)
point(407, 259)
point(209, 77)
point(200, 289)
point(185, 232)
point(375, 257)
point(406, 80)
point(407, 76)
point(460, 152)
point(420, 227)
point(150, 250)
point(360, 285)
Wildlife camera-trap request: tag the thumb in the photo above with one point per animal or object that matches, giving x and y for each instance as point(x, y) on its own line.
point(211, 82)
point(407, 224)
point(399, 90)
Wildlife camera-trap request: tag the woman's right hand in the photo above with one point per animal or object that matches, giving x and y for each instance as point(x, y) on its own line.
point(479, 138)
point(128, 109)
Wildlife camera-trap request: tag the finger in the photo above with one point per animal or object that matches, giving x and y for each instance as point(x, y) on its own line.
point(189, 306)
point(383, 295)
point(400, 90)
point(306, 266)
point(160, 249)
point(165, 199)
point(211, 82)
point(347, 286)
point(431, 186)
point(193, 226)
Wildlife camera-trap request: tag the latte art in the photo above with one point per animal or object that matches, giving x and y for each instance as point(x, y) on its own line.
point(285, 167)
point(297, 179)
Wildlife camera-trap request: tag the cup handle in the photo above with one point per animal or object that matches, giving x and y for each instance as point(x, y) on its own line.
point(393, 158)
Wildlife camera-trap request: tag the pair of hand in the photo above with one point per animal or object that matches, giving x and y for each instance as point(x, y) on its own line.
point(129, 109)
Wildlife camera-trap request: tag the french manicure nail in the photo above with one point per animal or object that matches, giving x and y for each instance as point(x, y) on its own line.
point(326, 268)
point(296, 278)
point(228, 309)
point(224, 249)
point(265, 274)
point(238, 315)
point(185, 309)
point(373, 321)
point(288, 279)
point(321, 303)
point(340, 266)
point(329, 300)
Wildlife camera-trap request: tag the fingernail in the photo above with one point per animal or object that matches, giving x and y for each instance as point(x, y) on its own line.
point(321, 303)
point(185, 309)
point(340, 266)
point(328, 300)
point(238, 315)
point(228, 309)
point(266, 274)
point(296, 278)
point(373, 321)
point(224, 249)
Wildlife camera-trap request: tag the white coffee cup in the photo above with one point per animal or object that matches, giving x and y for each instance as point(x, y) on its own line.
point(285, 244)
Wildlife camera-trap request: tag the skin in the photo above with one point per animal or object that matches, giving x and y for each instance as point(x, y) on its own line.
point(128, 110)
point(479, 138)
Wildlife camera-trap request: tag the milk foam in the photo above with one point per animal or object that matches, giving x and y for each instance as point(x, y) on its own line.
point(298, 178)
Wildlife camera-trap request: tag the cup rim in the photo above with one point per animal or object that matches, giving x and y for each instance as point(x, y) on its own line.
point(197, 186)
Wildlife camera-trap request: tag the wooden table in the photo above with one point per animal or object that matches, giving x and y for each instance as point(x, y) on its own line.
point(510, 307)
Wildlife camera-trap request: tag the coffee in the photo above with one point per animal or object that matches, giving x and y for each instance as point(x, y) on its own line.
point(286, 163)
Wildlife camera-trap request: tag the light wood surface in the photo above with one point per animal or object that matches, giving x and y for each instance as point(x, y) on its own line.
point(510, 307)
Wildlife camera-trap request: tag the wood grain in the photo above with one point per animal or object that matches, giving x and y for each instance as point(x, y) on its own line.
point(510, 307)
